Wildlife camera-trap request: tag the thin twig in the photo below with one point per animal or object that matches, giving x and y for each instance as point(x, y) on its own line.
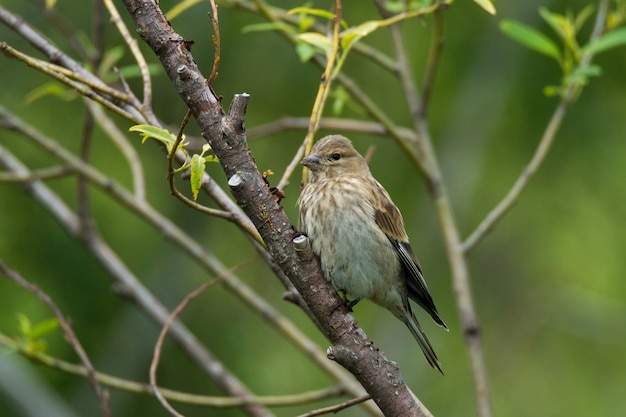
point(176, 193)
point(423, 155)
point(121, 141)
point(434, 56)
point(158, 345)
point(78, 86)
point(199, 253)
point(134, 48)
point(337, 407)
point(70, 336)
point(82, 192)
point(549, 134)
point(319, 103)
point(40, 174)
point(172, 395)
point(216, 42)
point(329, 123)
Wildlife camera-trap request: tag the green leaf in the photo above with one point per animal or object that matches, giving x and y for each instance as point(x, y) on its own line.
point(304, 51)
point(162, 135)
point(316, 12)
point(582, 16)
point(50, 89)
point(25, 325)
point(111, 57)
point(552, 90)
point(44, 327)
point(133, 71)
point(606, 41)
point(316, 39)
point(487, 5)
point(395, 6)
point(180, 8)
point(197, 172)
point(354, 34)
point(559, 23)
point(266, 26)
point(531, 38)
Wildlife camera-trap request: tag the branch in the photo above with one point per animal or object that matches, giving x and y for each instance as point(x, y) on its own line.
point(571, 94)
point(172, 395)
point(425, 158)
point(70, 336)
point(330, 123)
point(126, 282)
point(225, 133)
point(130, 286)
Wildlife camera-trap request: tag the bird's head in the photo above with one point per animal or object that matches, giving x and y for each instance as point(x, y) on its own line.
point(334, 156)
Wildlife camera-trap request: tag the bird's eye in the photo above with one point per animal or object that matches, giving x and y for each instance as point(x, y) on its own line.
point(336, 156)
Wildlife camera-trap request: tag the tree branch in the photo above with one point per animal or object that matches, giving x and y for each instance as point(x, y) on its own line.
point(225, 133)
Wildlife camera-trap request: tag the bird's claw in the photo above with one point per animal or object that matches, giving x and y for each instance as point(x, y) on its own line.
point(345, 301)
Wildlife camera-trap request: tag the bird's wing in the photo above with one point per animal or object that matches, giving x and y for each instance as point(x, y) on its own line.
point(389, 219)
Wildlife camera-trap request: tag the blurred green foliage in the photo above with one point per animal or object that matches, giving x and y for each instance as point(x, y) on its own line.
point(548, 281)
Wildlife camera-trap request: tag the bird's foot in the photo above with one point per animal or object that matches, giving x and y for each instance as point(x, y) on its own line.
point(345, 301)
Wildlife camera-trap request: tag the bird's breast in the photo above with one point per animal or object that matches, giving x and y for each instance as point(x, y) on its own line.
point(355, 254)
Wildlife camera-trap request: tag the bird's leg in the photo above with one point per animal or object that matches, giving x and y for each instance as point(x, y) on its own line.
point(352, 303)
point(344, 297)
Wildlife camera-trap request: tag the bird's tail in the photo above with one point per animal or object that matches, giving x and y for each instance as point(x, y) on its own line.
point(413, 325)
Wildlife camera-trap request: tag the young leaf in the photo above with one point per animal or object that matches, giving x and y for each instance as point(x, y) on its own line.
point(316, 12)
point(25, 325)
point(606, 41)
point(531, 38)
point(487, 5)
point(265, 26)
point(304, 51)
point(44, 327)
point(180, 8)
point(316, 39)
point(50, 89)
point(352, 35)
point(559, 23)
point(197, 171)
point(162, 135)
point(582, 16)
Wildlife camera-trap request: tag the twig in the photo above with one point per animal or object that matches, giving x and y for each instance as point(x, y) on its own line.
point(330, 123)
point(374, 55)
point(40, 174)
point(172, 395)
point(336, 408)
point(319, 103)
point(121, 141)
point(426, 159)
point(137, 292)
point(134, 48)
point(70, 336)
point(158, 345)
point(433, 57)
point(216, 42)
point(176, 193)
point(127, 284)
point(78, 86)
point(549, 134)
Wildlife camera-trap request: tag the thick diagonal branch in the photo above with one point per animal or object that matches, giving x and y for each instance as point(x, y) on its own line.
point(225, 133)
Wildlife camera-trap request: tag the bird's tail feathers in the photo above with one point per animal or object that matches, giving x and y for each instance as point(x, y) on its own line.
point(411, 322)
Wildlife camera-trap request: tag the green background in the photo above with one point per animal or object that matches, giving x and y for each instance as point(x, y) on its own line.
point(548, 282)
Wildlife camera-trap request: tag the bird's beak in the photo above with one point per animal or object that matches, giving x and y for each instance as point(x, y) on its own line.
point(312, 162)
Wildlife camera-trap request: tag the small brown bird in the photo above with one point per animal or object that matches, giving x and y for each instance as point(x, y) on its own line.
point(358, 233)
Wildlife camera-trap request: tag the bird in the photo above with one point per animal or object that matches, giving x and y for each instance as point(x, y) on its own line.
point(358, 234)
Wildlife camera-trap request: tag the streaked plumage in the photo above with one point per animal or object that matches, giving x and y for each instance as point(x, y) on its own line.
point(358, 233)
